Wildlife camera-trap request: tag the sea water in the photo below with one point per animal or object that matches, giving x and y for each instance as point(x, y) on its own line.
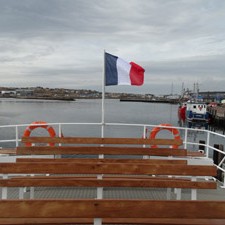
point(21, 111)
point(14, 111)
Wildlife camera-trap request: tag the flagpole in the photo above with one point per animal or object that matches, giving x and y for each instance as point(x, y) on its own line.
point(103, 96)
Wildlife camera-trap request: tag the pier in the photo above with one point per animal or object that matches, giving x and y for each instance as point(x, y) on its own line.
point(217, 116)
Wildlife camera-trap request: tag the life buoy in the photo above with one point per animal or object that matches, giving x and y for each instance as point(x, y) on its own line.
point(38, 124)
point(168, 127)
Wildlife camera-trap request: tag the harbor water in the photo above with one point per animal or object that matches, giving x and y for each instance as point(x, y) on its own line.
point(13, 111)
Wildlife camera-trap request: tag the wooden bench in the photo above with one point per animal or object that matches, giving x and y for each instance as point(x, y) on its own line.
point(127, 174)
point(98, 140)
point(118, 144)
point(109, 146)
point(85, 146)
point(112, 212)
point(100, 172)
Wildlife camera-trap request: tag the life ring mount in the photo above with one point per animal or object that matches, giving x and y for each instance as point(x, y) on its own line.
point(168, 127)
point(38, 124)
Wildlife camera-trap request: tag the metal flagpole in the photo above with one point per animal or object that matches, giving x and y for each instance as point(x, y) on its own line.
point(101, 156)
point(103, 96)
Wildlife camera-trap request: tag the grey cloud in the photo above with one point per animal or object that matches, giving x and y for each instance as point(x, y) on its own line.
point(63, 41)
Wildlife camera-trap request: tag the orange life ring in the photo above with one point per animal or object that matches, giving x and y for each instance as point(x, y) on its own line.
point(168, 127)
point(35, 125)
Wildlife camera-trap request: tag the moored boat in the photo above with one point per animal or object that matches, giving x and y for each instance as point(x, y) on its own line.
point(196, 113)
point(193, 111)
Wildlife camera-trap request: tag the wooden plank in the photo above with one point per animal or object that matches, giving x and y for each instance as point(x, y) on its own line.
point(98, 140)
point(10, 151)
point(108, 182)
point(107, 168)
point(84, 160)
point(89, 208)
point(75, 221)
point(105, 177)
point(96, 150)
point(195, 154)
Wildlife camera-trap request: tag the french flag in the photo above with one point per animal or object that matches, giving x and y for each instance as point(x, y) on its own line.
point(120, 72)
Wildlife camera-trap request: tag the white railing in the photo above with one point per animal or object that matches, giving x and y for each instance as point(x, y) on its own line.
point(10, 135)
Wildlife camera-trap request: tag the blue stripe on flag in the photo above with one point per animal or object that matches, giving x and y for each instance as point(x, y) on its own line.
point(111, 74)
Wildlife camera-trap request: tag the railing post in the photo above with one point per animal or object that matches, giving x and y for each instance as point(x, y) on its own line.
point(185, 138)
point(207, 144)
point(60, 131)
point(60, 135)
point(217, 159)
point(145, 131)
point(17, 136)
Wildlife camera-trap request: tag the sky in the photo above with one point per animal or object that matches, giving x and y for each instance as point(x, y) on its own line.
point(61, 43)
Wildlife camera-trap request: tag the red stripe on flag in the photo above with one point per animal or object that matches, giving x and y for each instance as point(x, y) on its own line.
point(136, 74)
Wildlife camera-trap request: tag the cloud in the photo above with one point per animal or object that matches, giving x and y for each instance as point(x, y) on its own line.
point(60, 43)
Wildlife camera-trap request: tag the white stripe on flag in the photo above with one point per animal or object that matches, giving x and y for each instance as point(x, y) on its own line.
point(123, 70)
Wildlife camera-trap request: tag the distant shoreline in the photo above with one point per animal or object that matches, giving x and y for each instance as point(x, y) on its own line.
point(41, 98)
point(149, 101)
point(73, 99)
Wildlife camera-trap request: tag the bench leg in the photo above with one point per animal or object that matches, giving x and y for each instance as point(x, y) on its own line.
point(168, 193)
point(4, 189)
point(178, 193)
point(99, 189)
point(193, 191)
point(100, 193)
point(4, 193)
point(21, 193)
point(31, 192)
point(97, 221)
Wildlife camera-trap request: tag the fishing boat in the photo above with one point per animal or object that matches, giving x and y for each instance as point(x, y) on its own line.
point(193, 112)
point(196, 113)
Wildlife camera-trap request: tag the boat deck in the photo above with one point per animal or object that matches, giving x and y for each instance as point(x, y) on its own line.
point(125, 193)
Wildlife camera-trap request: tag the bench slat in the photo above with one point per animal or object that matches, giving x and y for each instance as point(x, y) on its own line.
point(94, 150)
point(84, 160)
point(90, 208)
point(108, 182)
point(75, 221)
point(97, 140)
point(107, 168)
point(10, 151)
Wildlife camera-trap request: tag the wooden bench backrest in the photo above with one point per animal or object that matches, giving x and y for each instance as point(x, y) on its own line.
point(106, 168)
point(78, 181)
point(97, 146)
point(87, 160)
point(107, 180)
point(100, 141)
point(96, 150)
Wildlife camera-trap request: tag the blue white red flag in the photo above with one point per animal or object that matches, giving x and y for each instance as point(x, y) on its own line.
point(120, 72)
